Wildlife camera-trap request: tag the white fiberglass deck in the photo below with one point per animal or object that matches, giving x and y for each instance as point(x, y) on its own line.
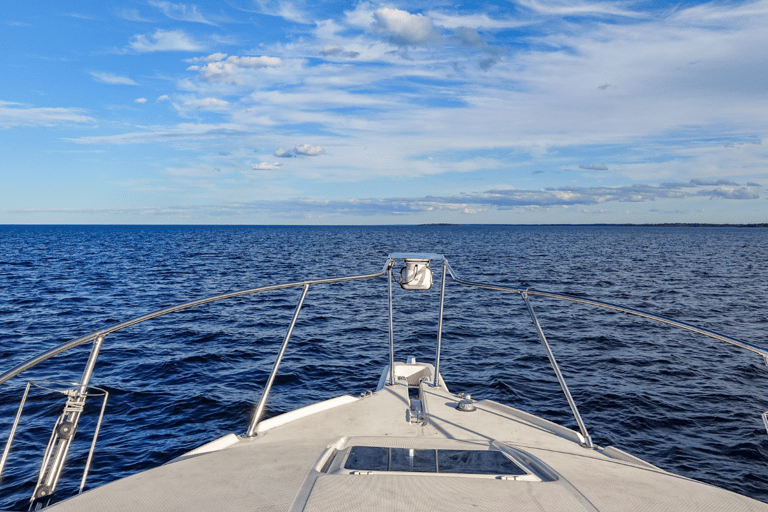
point(297, 462)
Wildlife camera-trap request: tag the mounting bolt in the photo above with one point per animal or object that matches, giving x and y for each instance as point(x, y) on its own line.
point(42, 492)
point(66, 429)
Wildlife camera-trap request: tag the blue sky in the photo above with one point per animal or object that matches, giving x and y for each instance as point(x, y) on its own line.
point(292, 112)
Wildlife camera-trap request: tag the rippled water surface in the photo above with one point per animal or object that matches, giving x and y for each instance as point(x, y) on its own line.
point(685, 403)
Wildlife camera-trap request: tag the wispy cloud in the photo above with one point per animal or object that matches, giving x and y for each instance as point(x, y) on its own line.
point(15, 114)
point(79, 16)
point(389, 91)
point(477, 203)
point(181, 132)
point(333, 51)
point(570, 8)
point(133, 15)
point(638, 193)
point(471, 39)
point(304, 150)
point(464, 204)
point(207, 104)
point(265, 166)
point(214, 57)
point(164, 41)
point(292, 11)
point(475, 21)
point(111, 78)
point(731, 192)
point(181, 12)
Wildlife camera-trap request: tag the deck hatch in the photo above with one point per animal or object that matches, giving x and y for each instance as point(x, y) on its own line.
point(471, 462)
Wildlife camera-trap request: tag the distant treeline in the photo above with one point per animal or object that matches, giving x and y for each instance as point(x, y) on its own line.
point(689, 225)
point(660, 225)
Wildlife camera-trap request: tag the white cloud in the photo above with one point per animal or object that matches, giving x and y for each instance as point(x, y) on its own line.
point(716, 13)
point(466, 204)
point(475, 203)
point(111, 78)
point(307, 150)
point(180, 12)
point(563, 196)
point(164, 41)
point(256, 62)
point(731, 192)
point(140, 100)
point(265, 166)
point(283, 153)
point(335, 51)
point(15, 114)
point(570, 8)
point(164, 97)
point(474, 21)
point(230, 70)
point(404, 28)
point(214, 57)
point(469, 38)
point(491, 201)
point(356, 111)
point(207, 104)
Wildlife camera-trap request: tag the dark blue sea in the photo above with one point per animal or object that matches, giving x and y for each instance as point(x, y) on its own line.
point(686, 403)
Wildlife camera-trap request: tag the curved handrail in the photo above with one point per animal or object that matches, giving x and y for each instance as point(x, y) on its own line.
point(607, 305)
point(98, 338)
point(117, 327)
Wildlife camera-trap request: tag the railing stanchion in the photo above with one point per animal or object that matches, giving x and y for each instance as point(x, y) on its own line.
point(66, 424)
point(13, 430)
point(65, 429)
point(86, 378)
point(436, 379)
point(391, 331)
point(93, 443)
point(263, 402)
point(560, 378)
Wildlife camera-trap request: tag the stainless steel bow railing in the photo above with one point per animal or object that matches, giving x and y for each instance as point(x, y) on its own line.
point(688, 327)
point(67, 423)
point(525, 293)
point(117, 327)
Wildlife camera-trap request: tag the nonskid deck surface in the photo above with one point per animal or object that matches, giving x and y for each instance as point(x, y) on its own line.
point(300, 465)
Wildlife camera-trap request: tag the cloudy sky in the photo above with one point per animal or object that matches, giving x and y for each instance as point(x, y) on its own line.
point(339, 112)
